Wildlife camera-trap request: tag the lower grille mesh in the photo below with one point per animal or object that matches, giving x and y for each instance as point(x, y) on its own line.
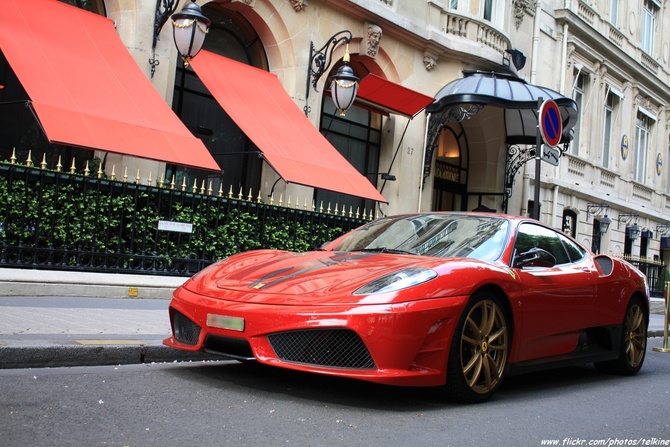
point(185, 331)
point(338, 348)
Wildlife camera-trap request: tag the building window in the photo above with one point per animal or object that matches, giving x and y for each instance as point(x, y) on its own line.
point(611, 107)
point(459, 5)
point(96, 6)
point(494, 11)
point(357, 136)
point(667, 170)
point(642, 133)
point(649, 12)
point(614, 12)
point(578, 94)
point(569, 226)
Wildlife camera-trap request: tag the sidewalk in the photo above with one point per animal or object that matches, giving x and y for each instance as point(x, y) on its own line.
point(77, 319)
point(53, 319)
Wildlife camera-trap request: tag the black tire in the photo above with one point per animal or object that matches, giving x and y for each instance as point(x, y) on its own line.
point(633, 344)
point(479, 350)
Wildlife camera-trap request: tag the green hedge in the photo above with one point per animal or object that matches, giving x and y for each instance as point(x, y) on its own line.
point(50, 211)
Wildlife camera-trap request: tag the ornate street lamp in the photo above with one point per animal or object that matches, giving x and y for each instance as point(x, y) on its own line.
point(605, 223)
point(344, 83)
point(632, 231)
point(190, 27)
point(595, 210)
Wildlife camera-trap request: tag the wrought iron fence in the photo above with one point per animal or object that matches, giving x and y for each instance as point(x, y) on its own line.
point(69, 221)
point(654, 270)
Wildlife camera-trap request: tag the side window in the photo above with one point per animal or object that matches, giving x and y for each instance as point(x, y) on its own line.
point(575, 252)
point(535, 236)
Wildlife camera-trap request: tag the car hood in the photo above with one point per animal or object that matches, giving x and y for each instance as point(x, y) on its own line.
point(319, 277)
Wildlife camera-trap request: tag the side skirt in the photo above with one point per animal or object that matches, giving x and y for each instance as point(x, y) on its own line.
point(594, 345)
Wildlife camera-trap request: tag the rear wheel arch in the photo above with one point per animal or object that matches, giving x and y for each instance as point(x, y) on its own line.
point(632, 343)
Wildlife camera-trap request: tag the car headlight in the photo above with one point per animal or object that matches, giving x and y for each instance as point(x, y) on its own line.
point(401, 279)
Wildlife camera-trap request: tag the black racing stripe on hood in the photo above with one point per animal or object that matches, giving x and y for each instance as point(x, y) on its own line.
point(310, 266)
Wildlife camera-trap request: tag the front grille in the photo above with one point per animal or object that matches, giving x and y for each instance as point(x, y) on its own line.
point(185, 331)
point(236, 348)
point(338, 348)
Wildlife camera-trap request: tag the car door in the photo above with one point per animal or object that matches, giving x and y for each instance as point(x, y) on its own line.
point(556, 301)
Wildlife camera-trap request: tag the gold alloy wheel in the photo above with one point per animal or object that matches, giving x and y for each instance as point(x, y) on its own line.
point(484, 346)
point(635, 335)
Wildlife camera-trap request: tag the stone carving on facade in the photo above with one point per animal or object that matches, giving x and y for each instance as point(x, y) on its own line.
point(388, 2)
point(570, 56)
point(601, 70)
point(299, 5)
point(521, 8)
point(246, 2)
point(373, 39)
point(429, 60)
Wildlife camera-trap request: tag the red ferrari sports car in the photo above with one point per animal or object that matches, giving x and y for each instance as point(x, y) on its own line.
point(456, 300)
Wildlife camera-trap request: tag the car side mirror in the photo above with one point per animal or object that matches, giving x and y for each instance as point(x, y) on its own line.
point(535, 257)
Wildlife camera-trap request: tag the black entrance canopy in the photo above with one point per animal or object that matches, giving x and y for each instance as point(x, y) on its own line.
point(518, 98)
point(518, 103)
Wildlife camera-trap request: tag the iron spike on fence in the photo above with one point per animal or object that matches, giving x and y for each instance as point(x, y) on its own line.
point(59, 166)
point(43, 165)
point(12, 159)
point(113, 176)
point(72, 167)
point(29, 161)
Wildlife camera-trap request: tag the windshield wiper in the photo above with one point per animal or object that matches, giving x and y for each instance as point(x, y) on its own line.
point(386, 250)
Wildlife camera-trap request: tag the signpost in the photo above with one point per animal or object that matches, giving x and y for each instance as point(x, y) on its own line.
point(549, 130)
point(551, 126)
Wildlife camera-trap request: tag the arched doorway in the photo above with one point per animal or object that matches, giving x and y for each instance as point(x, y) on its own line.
point(451, 171)
point(232, 36)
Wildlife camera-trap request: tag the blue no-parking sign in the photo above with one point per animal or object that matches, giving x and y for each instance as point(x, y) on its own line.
point(550, 124)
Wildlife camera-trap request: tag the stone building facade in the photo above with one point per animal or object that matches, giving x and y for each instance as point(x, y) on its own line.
point(610, 56)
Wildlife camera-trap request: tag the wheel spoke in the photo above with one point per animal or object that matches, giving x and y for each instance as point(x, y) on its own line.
point(471, 341)
point(488, 318)
point(476, 330)
point(496, 335)
point(477, 363)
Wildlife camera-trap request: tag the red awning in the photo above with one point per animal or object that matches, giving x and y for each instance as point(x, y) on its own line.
point(390, 97)
point(85, 87)
point(296, 150)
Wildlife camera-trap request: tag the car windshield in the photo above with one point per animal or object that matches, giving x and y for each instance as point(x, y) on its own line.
point(440, 235)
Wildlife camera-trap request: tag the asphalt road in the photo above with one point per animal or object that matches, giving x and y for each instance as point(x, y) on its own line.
point(231, 404)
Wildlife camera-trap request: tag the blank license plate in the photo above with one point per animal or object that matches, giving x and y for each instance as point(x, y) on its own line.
point(225, 322)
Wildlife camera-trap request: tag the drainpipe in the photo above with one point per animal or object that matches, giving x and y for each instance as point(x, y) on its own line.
point(553, 205)
point(536, 42)
point(533, 80)
point(564, 57)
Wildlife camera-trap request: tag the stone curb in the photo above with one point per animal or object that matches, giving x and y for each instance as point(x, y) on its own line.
point(68, 356)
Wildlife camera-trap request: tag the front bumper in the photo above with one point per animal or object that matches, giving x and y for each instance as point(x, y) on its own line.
point(399, 344)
